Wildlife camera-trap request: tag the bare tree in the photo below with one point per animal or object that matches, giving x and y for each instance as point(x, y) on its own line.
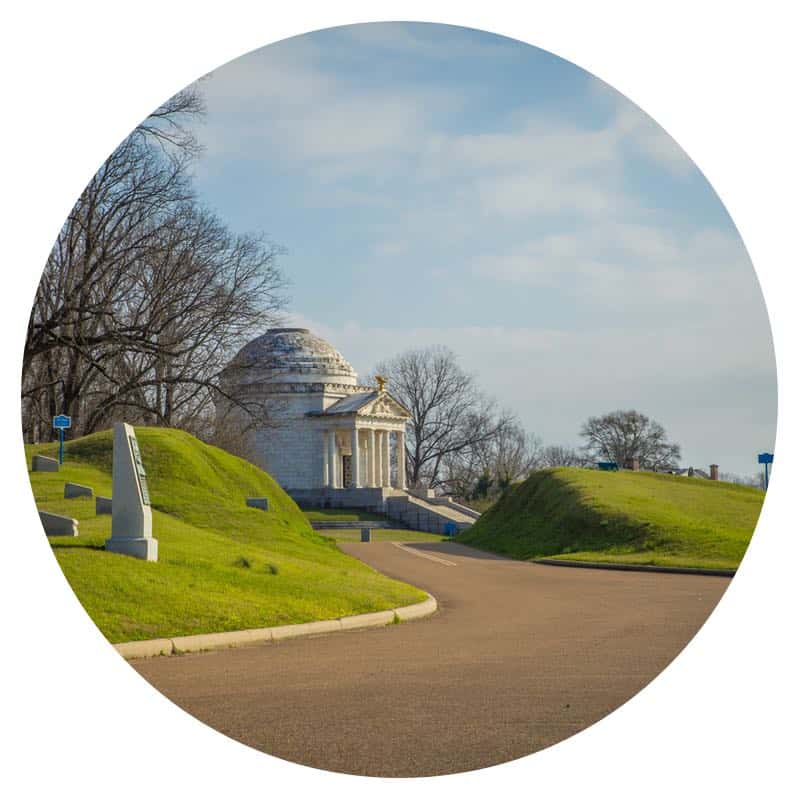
point(145, 294)
point(494, 464)
point(623, 436)
point(756, 480)
point(562, 456)
point(449, 414)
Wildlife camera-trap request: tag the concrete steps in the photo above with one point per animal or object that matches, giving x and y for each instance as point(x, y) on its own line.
point(422, 515)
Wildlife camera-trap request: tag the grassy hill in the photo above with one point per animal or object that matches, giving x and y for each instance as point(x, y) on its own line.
point(222, 566)
point(624, 517)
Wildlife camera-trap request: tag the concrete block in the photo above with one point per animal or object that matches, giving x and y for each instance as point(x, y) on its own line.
point(217, 641)
point(147, 649)
point(102, 505)
point(72, 490)
point(145, 548)
point(44, 464)
point(375, 620)
point(306, 629)
point(258, 502)
point(58, 525)
point(366, 535)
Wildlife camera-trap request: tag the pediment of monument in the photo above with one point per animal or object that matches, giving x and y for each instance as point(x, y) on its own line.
point(368, 404)
point(384, 405)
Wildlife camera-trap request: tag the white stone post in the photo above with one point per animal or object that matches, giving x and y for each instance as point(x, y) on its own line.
point(401, 460)
point(355, 460)
point(371, 458)
point(332, 470)
point(131, 516)
point(387, 462)
point(325, 468)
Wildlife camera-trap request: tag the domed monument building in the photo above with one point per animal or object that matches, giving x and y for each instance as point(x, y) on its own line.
point(322, 430)
point(328, 440)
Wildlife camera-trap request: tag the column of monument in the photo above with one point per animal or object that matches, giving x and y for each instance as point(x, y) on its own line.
point(387, 463)
point(371, 457)
point(355, 461)
point(400, 447)
point(332, 470)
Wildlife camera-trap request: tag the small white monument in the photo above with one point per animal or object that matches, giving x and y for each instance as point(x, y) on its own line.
point(131, 516)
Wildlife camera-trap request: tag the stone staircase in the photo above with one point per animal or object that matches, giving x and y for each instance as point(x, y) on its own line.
point(403, 509)
point(433, 515)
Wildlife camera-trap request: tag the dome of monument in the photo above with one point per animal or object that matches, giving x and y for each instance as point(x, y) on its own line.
point(290, 355)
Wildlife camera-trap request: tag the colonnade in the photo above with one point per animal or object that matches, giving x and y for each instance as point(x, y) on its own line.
point(378, 460)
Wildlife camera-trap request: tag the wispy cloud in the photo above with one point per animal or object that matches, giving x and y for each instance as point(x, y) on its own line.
point(555, 236)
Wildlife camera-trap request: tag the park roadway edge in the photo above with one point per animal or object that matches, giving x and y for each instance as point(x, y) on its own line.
point(215, 641)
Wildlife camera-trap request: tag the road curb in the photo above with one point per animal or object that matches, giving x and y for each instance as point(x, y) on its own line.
point(558, 562)
point(150, 648)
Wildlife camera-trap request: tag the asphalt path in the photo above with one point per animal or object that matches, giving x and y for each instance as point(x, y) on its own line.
point(518, 657)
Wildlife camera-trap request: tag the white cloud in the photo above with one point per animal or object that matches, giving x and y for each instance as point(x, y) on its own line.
point(538, 203)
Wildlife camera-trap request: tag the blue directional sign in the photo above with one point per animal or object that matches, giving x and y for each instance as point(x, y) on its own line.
point(61, 423)
point(766, 460)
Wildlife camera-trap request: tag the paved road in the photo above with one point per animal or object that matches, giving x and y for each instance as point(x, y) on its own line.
point(520, 656)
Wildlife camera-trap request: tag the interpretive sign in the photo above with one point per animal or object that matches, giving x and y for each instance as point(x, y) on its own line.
point(61, 422)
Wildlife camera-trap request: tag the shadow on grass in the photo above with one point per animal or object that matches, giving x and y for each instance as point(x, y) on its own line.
point(546, 516)
point(66, 546)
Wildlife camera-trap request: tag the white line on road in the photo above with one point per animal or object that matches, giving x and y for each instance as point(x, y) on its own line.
point(425, 555)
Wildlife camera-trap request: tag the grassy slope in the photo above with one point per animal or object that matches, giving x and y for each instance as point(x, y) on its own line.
point(222, 566)
point(626, 517)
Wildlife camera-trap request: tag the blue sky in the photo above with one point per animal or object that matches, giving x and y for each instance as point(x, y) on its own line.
point(438, 185)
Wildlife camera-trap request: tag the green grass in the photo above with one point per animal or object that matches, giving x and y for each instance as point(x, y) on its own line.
point(381, 535)
point(622, 517)
point(341, 515)
point(222, 566)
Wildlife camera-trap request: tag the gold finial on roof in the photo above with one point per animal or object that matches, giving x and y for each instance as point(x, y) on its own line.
point(381, 382)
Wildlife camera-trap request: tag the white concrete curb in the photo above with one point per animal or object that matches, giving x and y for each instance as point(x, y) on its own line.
point(217, 641)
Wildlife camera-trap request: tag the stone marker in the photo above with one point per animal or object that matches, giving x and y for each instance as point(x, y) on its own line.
point(44, 464)
point(131, 515)
point(258, 502)
point(366, 535)
point(102, 505)
point(57, 525)
point(72, 490)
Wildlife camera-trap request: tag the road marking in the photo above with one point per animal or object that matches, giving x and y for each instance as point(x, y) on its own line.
point(425, 555)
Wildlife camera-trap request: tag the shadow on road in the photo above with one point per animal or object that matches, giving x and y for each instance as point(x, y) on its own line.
point(456, 549)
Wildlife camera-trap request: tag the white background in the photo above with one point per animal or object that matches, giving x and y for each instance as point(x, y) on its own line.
point(721, 78)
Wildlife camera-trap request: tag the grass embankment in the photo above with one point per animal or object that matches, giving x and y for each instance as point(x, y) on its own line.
point(221, 566)
point(622, 517)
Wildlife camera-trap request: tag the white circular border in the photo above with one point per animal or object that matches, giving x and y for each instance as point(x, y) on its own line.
point(78, 721)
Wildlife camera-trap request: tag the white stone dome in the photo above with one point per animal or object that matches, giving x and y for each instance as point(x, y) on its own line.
point(290, 355)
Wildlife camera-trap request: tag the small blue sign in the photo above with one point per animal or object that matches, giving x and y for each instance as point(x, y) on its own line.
point(450, 529)
point(62, 421)
point(765, 458)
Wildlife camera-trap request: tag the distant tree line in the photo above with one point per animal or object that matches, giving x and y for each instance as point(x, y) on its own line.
point(461, 443)
point(145, 294)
